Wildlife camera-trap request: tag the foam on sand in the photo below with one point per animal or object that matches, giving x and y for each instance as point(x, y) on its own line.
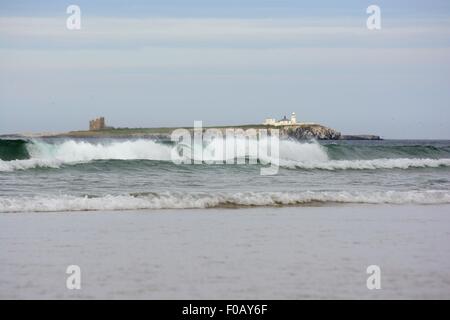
point(185, 200)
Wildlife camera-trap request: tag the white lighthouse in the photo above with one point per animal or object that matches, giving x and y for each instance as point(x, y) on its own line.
point(293, 118)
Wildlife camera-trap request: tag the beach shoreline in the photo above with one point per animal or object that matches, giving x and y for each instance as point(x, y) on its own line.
point(254, 253)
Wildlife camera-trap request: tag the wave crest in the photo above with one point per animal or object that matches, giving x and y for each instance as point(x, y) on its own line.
point(292, 154)
point(179, 200)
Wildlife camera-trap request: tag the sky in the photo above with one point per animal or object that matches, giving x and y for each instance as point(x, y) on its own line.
point(162, 63)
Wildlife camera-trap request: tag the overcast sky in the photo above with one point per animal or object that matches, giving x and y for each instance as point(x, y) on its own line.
point(168, 63)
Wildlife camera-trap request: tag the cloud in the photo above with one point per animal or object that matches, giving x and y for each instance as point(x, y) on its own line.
point(143, 44)
point(222, 59)
point(123, 33)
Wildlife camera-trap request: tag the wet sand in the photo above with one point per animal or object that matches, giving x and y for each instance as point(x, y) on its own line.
point(260, 253)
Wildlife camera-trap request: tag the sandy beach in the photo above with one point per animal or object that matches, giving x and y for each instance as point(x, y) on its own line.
point(261, 253)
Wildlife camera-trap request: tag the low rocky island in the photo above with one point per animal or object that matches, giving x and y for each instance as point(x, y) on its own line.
point(298, 132)
point(288, 128)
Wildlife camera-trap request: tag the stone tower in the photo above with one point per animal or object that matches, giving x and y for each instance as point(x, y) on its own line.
point(97, 124)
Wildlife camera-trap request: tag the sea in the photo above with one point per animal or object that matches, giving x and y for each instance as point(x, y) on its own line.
point(60, 174)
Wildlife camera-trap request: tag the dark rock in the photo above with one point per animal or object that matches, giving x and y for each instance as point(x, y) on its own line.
point(311, 131)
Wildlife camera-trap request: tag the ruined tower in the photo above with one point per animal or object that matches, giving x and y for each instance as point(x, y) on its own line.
point(97, 124)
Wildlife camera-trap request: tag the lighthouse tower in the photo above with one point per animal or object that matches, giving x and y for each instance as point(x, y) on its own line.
point(293, 118)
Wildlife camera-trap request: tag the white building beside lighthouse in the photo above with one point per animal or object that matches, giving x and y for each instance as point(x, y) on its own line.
point(283, 122)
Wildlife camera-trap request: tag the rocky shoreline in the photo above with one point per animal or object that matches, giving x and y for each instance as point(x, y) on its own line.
point(316, 131)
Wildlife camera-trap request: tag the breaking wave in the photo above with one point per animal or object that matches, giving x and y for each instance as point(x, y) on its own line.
point(179, 200)
point(55, 155)
point(23, 155)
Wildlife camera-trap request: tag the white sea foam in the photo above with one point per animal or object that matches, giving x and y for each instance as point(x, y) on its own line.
point(178, 200)
point(47, 155)
point(81, 151)
point(6, 166)
point(401, 163)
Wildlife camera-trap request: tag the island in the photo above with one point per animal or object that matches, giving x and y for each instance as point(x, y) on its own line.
point(288, 128)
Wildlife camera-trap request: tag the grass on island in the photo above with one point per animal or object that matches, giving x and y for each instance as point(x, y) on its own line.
point(147, 131)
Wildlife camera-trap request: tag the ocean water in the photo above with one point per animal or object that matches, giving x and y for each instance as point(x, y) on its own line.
point(140, 226)
point(62, 175)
